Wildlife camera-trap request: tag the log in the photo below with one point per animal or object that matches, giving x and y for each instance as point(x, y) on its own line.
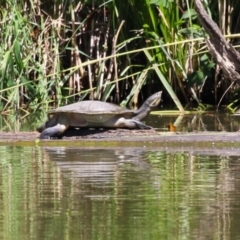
point(227, 57)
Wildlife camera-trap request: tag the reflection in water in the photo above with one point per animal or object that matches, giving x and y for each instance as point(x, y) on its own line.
point(122, 193)
point(97, 165)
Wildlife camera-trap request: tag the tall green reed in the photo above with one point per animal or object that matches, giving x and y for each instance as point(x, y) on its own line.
point(58, 52)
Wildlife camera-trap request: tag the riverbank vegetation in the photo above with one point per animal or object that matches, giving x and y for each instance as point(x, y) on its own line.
point(58, 52)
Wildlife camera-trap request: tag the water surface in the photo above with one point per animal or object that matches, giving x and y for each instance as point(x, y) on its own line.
point(121, 193)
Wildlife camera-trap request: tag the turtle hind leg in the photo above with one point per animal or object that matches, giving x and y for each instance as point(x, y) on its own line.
point(53, 131)
point(41, 128)
point(49, 123)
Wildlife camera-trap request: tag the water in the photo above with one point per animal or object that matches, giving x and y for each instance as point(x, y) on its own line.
point(121, 193)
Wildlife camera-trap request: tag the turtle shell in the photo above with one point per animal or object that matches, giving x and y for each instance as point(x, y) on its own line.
point(94, 111)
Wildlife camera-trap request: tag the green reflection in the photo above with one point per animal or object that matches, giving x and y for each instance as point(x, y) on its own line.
point(124, 193)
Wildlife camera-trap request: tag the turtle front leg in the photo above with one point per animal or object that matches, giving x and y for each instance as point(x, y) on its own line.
point(53, 131)
point(131, 123)
point(140, 125)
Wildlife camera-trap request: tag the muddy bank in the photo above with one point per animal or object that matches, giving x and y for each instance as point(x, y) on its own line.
point(124, 137)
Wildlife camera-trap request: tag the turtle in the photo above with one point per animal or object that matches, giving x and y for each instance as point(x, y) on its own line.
point(92, 113)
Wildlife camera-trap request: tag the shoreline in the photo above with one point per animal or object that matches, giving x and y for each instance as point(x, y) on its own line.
point(126, 138)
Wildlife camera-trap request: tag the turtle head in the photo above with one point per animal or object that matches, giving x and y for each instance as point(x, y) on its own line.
point(153, 101)
point(150, 104)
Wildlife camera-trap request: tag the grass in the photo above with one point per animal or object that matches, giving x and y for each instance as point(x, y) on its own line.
point(58, 52)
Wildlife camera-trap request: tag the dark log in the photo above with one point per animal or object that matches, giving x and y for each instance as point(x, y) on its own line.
point(223, 52)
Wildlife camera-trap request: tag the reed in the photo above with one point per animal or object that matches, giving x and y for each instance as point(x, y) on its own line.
point(60, 51)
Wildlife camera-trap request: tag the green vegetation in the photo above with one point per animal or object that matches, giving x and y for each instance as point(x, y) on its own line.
point(57, 52)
